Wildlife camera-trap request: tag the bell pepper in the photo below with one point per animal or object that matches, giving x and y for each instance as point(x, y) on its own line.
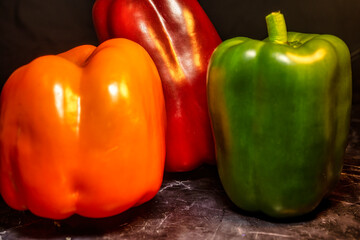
point(83, 132)
point(280, 111)
point(180, 38)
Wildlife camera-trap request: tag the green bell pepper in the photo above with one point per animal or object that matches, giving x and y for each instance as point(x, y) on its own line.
point(280, 111)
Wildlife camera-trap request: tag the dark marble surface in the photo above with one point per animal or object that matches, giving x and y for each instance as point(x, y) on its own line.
point(193, 205)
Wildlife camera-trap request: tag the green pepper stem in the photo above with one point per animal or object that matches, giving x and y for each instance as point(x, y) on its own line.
point(276, 28)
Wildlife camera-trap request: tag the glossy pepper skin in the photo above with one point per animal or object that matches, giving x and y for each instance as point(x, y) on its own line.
point(83, 132)
point(180, 38)
point(280, 112)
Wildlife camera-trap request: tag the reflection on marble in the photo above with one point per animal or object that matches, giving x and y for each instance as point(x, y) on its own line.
point(193, 205)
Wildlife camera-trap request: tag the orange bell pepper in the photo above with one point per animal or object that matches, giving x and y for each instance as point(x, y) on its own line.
point(83, 132)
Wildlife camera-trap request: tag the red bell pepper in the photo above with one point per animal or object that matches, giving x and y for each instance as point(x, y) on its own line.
point(180, 38)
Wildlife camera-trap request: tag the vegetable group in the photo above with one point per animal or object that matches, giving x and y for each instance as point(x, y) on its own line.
point(280, 110)
point(83, 132)
point(180, 38)
point(87, 131)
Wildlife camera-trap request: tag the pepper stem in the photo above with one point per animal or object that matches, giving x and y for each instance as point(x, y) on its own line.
point(276, 28)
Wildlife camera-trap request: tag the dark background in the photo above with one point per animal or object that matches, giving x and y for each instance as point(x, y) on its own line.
point(31, 28)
